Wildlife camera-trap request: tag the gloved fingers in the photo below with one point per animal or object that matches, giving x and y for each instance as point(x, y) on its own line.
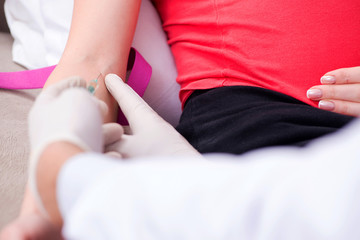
point(102, 106)
point(135, 109)
point(123, 146)
point(112, 147)
point(55, 90)
point(114, 154)
point(112, 132)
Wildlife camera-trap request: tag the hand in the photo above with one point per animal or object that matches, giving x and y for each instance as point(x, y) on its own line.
point(150, 134)
point(31, 226)
point(112, 133)
point(339, 92)
point(64, 112)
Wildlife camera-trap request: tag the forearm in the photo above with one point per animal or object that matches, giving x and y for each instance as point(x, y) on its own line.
point(49, 165)
point(99, 42)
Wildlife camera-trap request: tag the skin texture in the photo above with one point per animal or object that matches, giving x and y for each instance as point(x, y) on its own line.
point(31, 227)
point(106, 52)
point(339, 91)
point(49, 165)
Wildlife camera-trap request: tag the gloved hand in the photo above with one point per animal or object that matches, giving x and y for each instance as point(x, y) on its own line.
point(67, 112)
point(150, 134)
point(112, 133)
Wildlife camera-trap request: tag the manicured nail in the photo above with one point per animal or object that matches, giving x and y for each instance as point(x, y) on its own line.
point(327, 79)
point(314, 93)
point(326, 105)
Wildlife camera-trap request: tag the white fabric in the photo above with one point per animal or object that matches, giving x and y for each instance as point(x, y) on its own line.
point(276, 193)
point(26, 25)
point(40, 29)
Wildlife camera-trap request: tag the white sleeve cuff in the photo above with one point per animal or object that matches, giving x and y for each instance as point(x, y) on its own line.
point(77, 174)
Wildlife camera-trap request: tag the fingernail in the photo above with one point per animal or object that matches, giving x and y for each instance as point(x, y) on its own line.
point(328, 79)
point(326, 105)
point(314, 93)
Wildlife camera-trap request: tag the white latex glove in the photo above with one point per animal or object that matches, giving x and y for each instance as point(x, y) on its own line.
point(112, 133)
point(150, 134)
point(67, 112)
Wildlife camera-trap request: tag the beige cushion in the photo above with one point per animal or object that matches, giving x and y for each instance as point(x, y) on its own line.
point(14, 146)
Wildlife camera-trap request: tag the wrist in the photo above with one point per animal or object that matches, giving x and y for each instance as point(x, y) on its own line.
point(90, 70)
point(49, 165)
point(85, 67)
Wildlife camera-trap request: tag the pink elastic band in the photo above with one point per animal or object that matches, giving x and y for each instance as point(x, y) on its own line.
point(30, 79)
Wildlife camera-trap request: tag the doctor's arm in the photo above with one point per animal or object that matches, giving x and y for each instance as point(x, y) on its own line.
point(50, 163)
point(66, 114)
point(279, 193)
point(67, 120)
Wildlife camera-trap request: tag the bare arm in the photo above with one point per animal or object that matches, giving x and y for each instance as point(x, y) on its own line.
point(99, 42)
point(50, 163)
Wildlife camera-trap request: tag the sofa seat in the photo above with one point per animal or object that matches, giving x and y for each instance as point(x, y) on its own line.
point(14, 108)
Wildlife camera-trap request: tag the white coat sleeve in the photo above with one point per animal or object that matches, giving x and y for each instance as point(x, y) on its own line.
point(277, 193)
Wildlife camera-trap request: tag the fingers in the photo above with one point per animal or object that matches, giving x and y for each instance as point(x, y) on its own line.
point(342, 76)
point(112, 133)
point(56, 89)
point(340, 91)
point(31, 226)
point(124, 147)
point(344, 99)
point(114, 154)
point(135, 109)
point(345, 92)
point(343, 107)
point(12, 232)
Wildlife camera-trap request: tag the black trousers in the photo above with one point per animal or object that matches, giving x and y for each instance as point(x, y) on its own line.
point(241, 118)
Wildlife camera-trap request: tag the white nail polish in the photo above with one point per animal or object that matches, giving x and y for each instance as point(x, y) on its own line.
point(314, 93)
point(326, 105)
point(327, 79)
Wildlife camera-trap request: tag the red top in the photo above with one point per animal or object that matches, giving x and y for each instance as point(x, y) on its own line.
point(282, 45)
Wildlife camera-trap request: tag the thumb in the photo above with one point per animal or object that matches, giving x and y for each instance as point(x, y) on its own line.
point(114, 154)
point(112, 133)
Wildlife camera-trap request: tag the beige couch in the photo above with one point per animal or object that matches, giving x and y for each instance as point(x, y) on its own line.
point(14, 146)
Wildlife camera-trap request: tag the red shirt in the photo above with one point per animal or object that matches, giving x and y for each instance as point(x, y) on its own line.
point(282, 45)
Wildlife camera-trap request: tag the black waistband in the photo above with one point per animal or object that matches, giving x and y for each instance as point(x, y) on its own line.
point(248, 94)
point(241, 118)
